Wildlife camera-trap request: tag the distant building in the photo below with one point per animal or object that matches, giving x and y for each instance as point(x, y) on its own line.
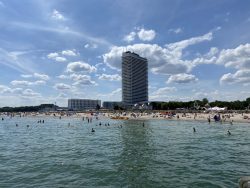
point(111, 104)
point(83, 104)
point(134, 79)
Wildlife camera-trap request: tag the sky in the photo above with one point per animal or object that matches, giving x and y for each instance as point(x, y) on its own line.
point(51, 51)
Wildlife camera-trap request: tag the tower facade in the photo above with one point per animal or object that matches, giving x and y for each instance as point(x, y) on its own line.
point(134, 79)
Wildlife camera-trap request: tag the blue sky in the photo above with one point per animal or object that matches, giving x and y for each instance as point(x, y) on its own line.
point(54, 50)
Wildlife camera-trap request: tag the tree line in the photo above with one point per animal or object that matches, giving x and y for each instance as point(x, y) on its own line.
point(27, 108)
point(200, 104)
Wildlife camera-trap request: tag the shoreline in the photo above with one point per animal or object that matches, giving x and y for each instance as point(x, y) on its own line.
point(202, 117)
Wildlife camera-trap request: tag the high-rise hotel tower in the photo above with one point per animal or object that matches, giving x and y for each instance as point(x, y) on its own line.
point(134, 79)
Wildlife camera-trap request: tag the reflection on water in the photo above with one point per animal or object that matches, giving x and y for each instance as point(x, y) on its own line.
point(161, 154)
point(137, 150)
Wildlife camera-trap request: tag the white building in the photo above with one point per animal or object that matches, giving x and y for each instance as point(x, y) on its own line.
point(83, 104)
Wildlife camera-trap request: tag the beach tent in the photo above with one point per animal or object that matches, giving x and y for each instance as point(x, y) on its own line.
point(216, 108)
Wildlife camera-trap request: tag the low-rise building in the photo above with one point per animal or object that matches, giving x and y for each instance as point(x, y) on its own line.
point(111, 104)
point(83, 104)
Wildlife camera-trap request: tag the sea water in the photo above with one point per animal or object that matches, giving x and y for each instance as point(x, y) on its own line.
point(164, 153)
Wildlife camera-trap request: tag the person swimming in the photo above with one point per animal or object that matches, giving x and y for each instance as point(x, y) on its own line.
point(229, 133)
point(143, 124)
point(194, 130)
point(93, 130)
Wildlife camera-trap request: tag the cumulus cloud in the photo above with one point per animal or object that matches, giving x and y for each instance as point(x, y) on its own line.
point(110, 77)
point(62, 86)
point(41, 76)
point(238, 57)
point(69, 53)
point(60, 56)
point(63, 76)
point(56, 57)
point(164, 60)
point(52, 55)
point(182, 78)
point(60, 59)
point(130, 37)
point(82, 79)
point(80, 66)
point(146, 35)
point(241, 76)
point(56, 15)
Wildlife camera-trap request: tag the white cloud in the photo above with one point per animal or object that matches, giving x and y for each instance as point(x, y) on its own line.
point(4, 89)
point(69, 53)
point(241, 76)
point(52, 55)
point(60, 59)
point(238, 57)
point(212, 52)
point(56, 56)
point(91, 46)
point(30, 93)
point(176, 31)
point(86, 45)
point(62, 86)
point(182, 78)
point(56, 15)
point(41, 76)
point(162, 93)
point(177, 46)
point(80, 66)
point(164, 90)
point(36, 75)
point(110, 77)
point(63, 77)
point(130, 37)
point(163, 60)
point(26, 75)
point(27, 83)
point(146, 35)
point(82, 79)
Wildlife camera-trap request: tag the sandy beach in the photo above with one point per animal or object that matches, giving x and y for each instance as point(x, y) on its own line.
point(227, 117)
point(223, 117)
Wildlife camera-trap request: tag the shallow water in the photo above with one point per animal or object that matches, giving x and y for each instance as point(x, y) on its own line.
point(161, 154)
